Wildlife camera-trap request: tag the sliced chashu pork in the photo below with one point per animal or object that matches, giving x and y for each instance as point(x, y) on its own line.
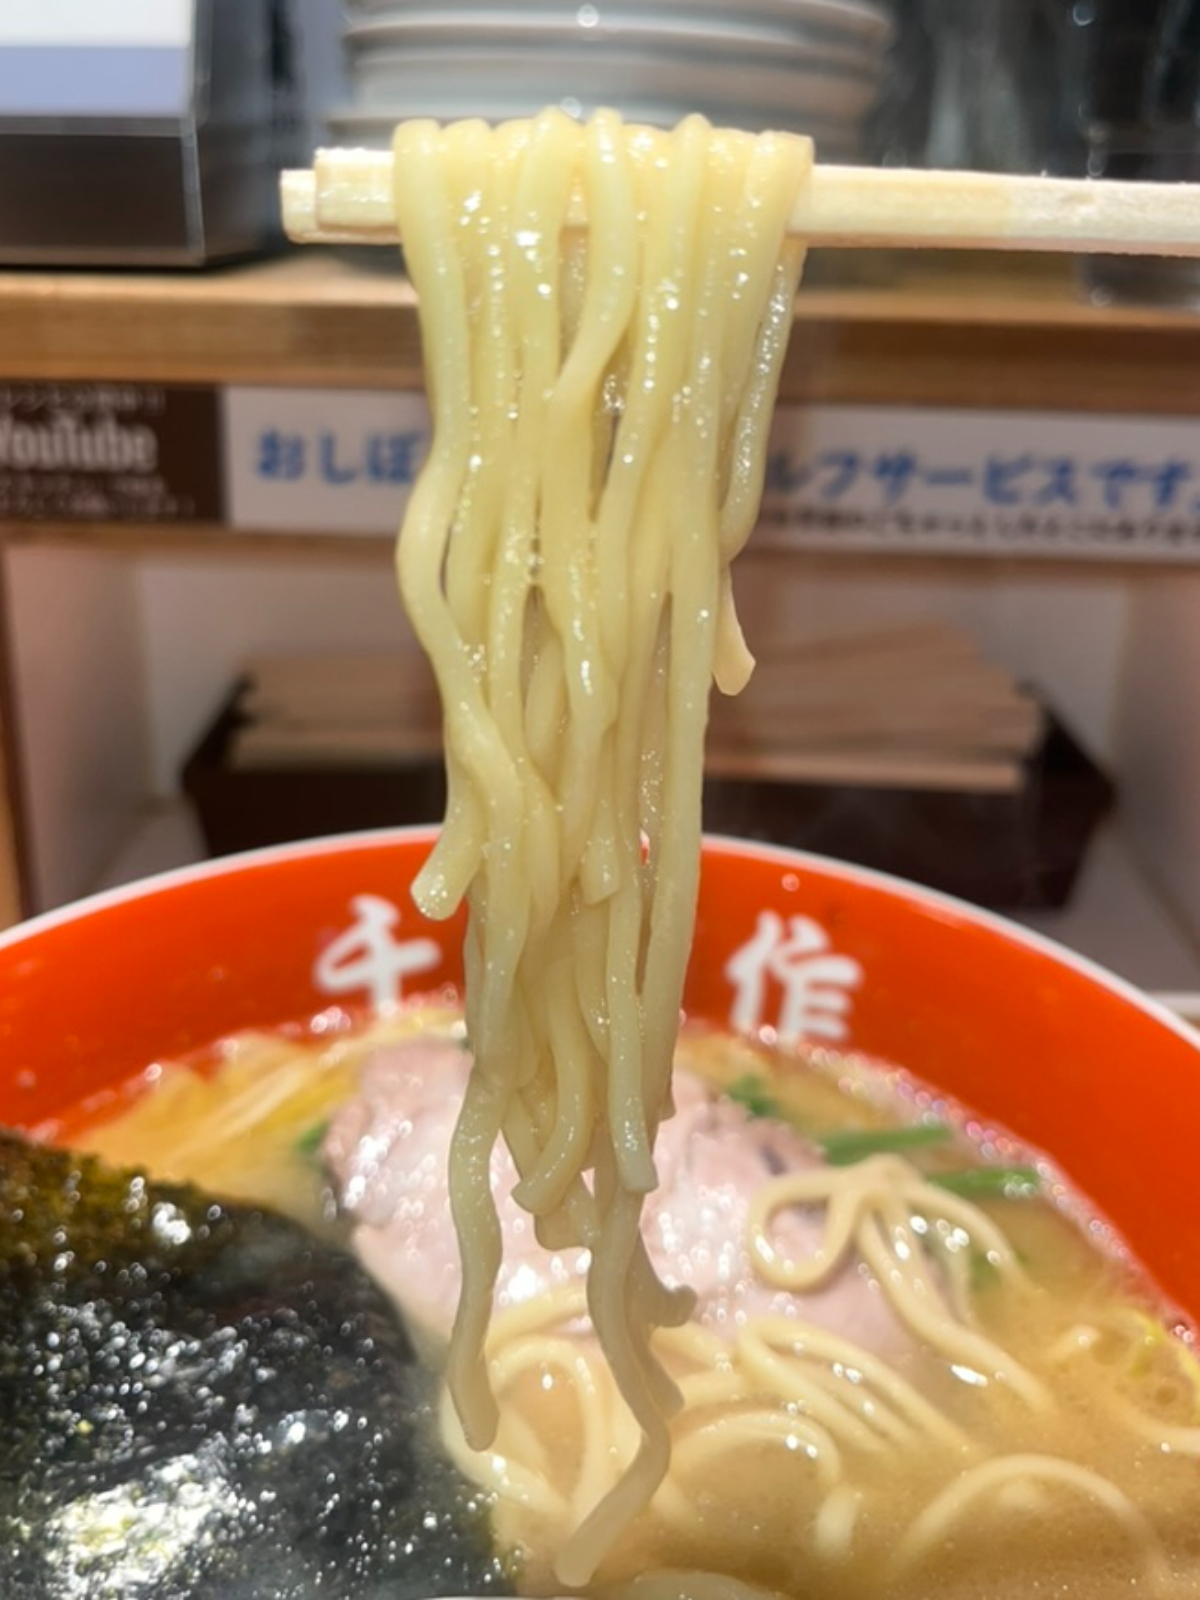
point(388, 1150)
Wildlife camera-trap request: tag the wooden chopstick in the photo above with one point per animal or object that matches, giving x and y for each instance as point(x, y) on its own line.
point(346, 198)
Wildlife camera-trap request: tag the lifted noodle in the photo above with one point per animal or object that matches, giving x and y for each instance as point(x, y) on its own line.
point(601, 405)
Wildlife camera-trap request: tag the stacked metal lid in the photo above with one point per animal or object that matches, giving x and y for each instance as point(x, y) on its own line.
point(814, 66)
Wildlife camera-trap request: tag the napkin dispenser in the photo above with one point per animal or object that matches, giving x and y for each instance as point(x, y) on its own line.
point(143, 132)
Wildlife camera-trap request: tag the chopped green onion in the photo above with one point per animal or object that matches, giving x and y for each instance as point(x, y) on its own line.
point(309, 1144)
point(856, 1144)
point(752, 1094)
point(845, 1147)
point(1005, 1183)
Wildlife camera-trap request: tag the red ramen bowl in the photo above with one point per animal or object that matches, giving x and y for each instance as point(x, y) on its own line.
point(1068, 1057)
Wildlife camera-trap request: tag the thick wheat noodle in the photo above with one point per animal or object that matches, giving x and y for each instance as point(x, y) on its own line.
point(1183, 1438)
point(873, 1428)
point(894, 1427)
point(600, 406)
point(511, 1479)
point(848, 1192)
point(718, 1387)
point(1163, 1435)
point(873, 1410)
point(869, 1204)
point(948, 1508)
point(565, 1151)
point(783, 1380)
point(755, 1426)
point(599, 437)
point(734, 1401)
point(422, 551)
point(793, 1384)
point(806, 1387)
point(778, 1357)
point(834, 1524)
point(714, 1440)
point(687, 1585)
point(919, 1304)
point(587, 1388)
point(817, 1346)
point(474, 1213)
point(696, 1344)
point(527, 1480)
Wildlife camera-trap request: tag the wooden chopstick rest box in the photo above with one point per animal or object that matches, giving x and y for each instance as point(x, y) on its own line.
point(902, 752)
point(306, 746)
point(902, 748)
point(1010, 849)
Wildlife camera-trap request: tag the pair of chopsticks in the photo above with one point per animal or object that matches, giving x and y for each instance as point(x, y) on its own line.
point(346, 198)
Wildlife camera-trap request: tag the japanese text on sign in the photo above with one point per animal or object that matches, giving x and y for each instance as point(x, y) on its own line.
point(388, 458)
point(333, 461)
point(321, 461)
point(105, 452)
point(874, 477)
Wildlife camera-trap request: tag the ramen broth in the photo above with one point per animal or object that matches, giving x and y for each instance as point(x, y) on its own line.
point(793, 1471)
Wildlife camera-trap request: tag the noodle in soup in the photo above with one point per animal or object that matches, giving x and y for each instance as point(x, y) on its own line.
point(601, 399)
point(917, 1361)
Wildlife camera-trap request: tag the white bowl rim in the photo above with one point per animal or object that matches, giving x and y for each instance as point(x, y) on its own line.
point(353, 120)
point(610, 69)
point(930, 900)
point(614, 50)
point(701, 34)
point(835, 16)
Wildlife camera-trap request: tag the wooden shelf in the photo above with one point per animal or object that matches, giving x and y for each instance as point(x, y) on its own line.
point(915, 329)
point(303, 319)
point(202, 538)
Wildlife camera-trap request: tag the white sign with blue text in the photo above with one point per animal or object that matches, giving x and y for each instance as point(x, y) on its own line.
point(877, 478)
point(321, 460)
point(1016, 482)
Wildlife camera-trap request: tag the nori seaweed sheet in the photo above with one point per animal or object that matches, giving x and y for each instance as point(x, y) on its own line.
point(200, 1401)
